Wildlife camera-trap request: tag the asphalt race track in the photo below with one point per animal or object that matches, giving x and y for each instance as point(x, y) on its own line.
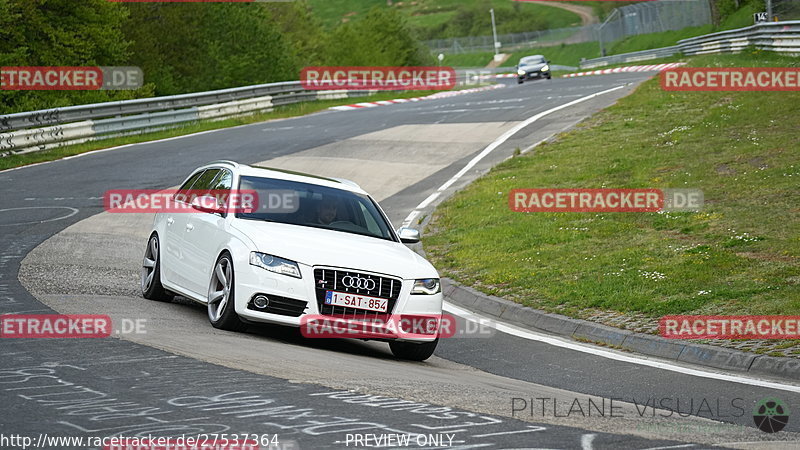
point(61, 252)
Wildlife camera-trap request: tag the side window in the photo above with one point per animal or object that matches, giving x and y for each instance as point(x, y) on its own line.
point(223, 182)
point(205, 182)
point(181, 195)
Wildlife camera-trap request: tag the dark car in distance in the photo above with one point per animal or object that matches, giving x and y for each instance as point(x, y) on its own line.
point(531, 67)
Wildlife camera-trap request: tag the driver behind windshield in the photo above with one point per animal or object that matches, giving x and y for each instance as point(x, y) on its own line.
point(326, 210)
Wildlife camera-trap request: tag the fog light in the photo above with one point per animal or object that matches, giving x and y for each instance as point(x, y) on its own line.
point(261, 301)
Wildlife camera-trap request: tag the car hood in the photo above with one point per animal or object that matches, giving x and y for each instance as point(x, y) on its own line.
point(532, 67)
point(318, 247)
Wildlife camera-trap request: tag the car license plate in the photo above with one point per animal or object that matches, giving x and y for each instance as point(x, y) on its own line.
point(356, 301)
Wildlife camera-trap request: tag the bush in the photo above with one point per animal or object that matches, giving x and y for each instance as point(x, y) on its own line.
point(188, 47)
point(62, 33)
point(380, 38)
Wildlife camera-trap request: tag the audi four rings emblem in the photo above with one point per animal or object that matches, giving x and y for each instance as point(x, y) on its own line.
point(358, 283)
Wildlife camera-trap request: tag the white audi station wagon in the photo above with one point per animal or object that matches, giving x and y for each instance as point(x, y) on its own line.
point(310, 246)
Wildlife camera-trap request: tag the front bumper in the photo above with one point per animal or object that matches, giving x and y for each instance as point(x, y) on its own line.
point(290, 293)
point(534, 75)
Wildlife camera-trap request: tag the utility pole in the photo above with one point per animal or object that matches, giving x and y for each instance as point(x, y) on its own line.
point(494, 33)
point(769, 10)
point(600, 31)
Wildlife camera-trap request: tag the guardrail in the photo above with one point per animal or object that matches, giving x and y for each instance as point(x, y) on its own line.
point(40, 130)
point(643, 55)
point(781, 37)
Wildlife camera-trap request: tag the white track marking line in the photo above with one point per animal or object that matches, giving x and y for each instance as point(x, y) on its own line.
point(676, 446)
point(497, 142)
point(72, 212)
point(592, 350)
point(587, 441)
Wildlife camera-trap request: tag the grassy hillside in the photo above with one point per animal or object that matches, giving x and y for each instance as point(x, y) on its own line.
point(435, 19)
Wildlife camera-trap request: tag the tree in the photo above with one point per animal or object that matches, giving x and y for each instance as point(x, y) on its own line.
point(60, 33)
point(380, 38)
point(186, 47)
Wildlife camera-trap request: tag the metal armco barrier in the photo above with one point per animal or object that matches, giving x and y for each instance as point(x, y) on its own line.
point(40, 130)
point(783, 37)
point(643, 55)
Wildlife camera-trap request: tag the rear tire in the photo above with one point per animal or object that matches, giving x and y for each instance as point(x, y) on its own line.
point(221, 309)
point(413, 352)
point(151, 272)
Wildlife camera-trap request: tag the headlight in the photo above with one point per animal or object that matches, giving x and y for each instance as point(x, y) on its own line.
point(546, 68)
point(275, 264)
point(427, 286)
point(521, 72)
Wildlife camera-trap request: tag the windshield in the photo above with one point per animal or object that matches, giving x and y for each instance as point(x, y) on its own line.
point(315, 206)
point(530, 60)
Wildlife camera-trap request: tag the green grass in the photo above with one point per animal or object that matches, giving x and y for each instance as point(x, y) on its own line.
point(462, 60)
point(565, 55)
point(332, 12)
point(740, 255)
point(429, 14)
point(279, 112)
point(656, 40)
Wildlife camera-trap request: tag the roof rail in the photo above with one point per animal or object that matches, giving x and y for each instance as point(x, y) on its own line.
point(348, 182)
point(224, 161)
point(292, 172)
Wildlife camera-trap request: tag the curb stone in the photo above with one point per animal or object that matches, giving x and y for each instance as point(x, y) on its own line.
point(650, 345)
point(770, 365)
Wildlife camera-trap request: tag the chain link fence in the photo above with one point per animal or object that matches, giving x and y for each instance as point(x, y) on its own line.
point(514, 41)
point(648, 17)
point(653, 17)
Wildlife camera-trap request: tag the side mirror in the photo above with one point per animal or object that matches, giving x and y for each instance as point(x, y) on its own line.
point(208, 204)
point(408, 235)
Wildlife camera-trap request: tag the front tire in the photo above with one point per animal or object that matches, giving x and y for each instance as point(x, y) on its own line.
point(151, 272)
point(221, 310)
point(413, 352)
point(519, 80)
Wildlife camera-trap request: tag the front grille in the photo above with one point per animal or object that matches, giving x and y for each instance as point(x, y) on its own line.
point(333, 280)
point(281, 305)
